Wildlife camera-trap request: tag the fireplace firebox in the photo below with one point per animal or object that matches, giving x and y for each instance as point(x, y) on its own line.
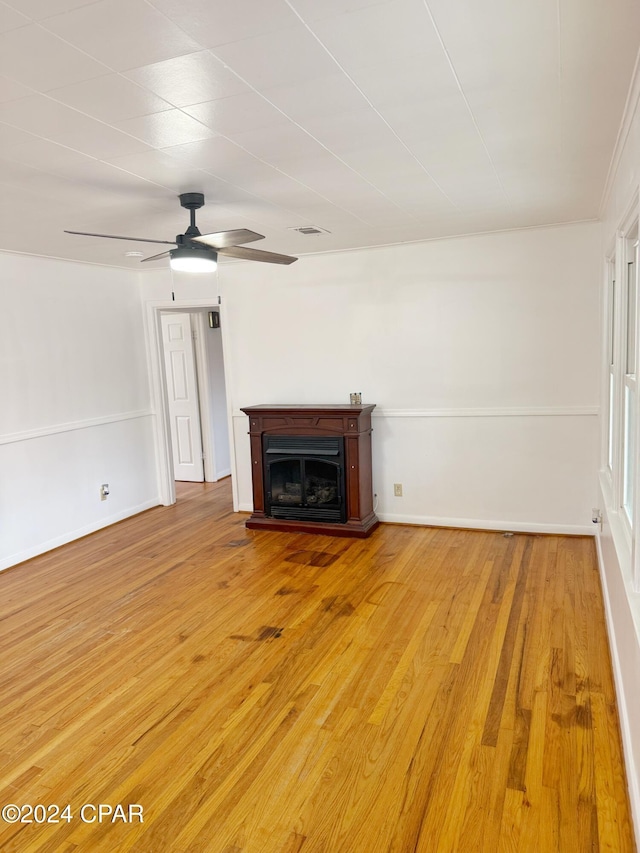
point(304, 477)
point(311, 469)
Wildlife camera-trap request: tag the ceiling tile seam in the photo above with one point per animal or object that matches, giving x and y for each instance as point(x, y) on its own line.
point(30, 20)
point(32, 91)
point(207, 171)
point(100, 160)
point(42, 25)
point(122, 76)
point(80, 112)
point(108, 71)
point(290, 177)
point(28, 23)
point(311, 136)
point(466, 101)
point(281, 207)
point(227, 67)
point(166, 150)
point(103, 162)
point(55, 14)
point(371, 105)
point(42, 171)
point(46, 139)
point(321, 144)
point(204, 171)
point(282, 112)
point(140, 177)
point(51, 97)
point(39, 25)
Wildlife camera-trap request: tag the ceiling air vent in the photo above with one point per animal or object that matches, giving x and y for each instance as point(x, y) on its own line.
point(309, 230)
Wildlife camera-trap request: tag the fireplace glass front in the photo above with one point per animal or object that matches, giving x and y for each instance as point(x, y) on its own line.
point(304, 477)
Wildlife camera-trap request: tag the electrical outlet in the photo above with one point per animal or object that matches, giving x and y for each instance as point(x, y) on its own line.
point(104, 491)
point(397, 490)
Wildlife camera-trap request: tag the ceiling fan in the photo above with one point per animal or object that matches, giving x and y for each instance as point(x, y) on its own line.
point(196, 252)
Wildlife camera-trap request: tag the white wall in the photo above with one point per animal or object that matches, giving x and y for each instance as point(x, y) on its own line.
point(622, 602)
point(75, 403)
point(481, 354)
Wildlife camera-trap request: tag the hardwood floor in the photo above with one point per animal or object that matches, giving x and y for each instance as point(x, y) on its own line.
point(422, 690)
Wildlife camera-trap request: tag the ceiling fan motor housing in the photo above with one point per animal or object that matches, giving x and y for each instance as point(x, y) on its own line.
point(192, 201)
point(186, 248)
point(184, 239)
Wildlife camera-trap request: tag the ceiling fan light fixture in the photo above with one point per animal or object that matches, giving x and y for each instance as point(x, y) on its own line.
point(193, 259)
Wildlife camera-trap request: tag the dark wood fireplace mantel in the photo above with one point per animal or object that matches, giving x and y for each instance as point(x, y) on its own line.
point(353, 425)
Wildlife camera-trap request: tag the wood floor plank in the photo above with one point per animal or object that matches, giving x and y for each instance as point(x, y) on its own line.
point(419, 691)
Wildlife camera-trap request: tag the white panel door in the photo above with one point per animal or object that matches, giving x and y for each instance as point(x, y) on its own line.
point(182, 391)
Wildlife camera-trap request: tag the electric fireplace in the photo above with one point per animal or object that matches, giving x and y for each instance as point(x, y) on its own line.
point(311, 469)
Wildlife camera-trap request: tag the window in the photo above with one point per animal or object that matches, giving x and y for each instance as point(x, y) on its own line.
point(611, 349)
point(630, 404)
point(621, 421)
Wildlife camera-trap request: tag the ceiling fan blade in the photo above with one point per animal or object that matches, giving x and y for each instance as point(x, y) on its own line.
point(116, 237)
point(255, 255)
point(222, 239)
point(155, 257)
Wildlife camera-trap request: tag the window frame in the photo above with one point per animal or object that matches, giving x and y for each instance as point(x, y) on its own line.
point(629, 382)
point(620, 377)
point(610, 391)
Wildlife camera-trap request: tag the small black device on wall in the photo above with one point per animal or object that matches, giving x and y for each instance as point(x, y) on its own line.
point(214, 319)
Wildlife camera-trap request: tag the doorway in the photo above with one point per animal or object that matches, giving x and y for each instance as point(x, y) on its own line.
point(196, 395)
point(213, 410)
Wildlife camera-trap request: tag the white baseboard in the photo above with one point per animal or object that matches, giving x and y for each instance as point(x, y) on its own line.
point(474, 523)
point(43, 547)
point(486, 524)
point(220, 475)
point(626, 714)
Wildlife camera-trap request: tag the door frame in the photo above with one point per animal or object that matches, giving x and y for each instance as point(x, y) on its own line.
point(202, 384)
point(159, 397)
point(204, 371)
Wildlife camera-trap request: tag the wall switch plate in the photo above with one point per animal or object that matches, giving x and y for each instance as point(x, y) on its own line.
point(104, 491)
point(397, 490)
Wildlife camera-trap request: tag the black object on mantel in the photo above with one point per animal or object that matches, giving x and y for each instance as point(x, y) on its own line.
point(311, 468)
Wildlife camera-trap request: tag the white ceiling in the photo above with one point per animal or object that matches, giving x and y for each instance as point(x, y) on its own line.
point(381, 121)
